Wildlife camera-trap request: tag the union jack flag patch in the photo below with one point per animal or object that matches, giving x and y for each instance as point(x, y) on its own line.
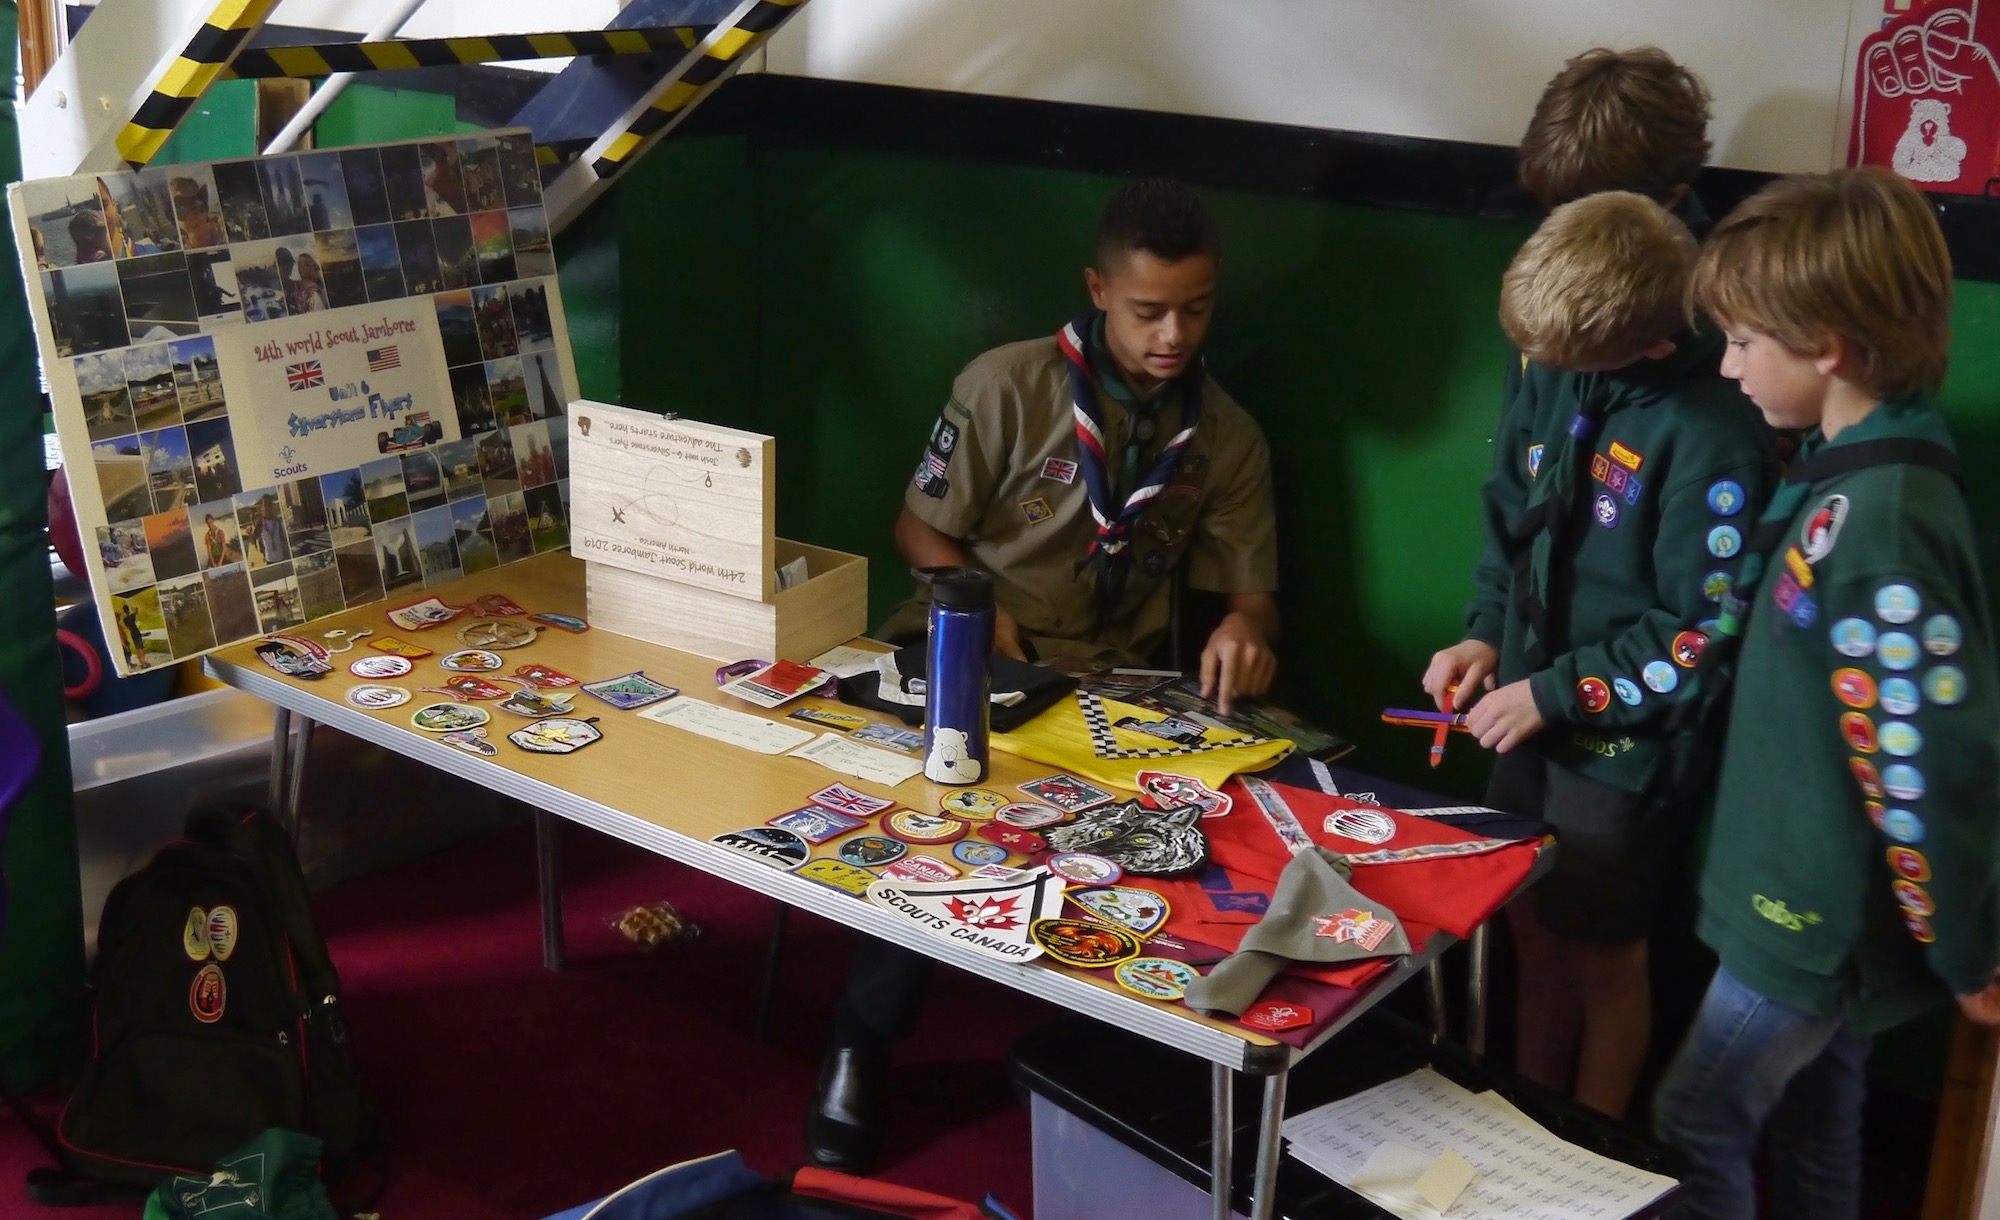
point(304, 375)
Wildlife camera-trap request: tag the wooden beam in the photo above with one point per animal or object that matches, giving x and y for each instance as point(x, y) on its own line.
point(1964, 1139)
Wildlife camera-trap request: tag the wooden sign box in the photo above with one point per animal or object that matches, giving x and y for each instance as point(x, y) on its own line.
point(799, 623)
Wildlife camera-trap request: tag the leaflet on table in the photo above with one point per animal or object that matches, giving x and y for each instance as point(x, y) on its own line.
point(837, 753)
point(726, 725)
point(845, 661)
point(1523, 1171)
point(777, 683)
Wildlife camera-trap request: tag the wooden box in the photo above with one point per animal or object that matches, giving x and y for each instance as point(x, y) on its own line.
point(799, 623)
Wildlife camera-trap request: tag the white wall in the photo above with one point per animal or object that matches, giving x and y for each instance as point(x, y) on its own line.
point(1455, 69)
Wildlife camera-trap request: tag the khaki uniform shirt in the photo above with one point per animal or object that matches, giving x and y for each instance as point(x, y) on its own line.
point(1002, 473)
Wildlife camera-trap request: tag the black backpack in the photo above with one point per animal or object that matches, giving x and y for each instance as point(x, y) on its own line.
point(216, 1013)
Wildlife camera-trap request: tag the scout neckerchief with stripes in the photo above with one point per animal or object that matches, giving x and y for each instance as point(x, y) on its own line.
point(1108, 553)
point(1545, 524)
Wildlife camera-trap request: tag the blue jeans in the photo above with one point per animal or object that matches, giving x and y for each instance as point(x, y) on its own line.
point(1752, 1066)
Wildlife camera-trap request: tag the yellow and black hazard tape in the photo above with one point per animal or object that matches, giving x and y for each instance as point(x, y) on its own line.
point(198, 65)
point(744, 36)
point(324, 59)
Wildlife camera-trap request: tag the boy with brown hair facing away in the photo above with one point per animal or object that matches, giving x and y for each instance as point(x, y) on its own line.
point(1851, 876)
point(1618, 121)
point(1622, 471)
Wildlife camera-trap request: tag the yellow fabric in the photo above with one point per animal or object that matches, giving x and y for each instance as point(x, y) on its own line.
point(1061, 738)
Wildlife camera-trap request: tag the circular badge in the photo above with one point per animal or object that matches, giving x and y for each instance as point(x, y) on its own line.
point(1854, 688)
point(1156, 978)
point(911, 826)
point(1607, 512)
point(375, 698)
point(1919, 928)
point(194, 935)
point(1660, 677)
point(208, 995)
point(972, 804)
point(1628, 691)
point(872, 851)
point(1084, 868)
point(1859, 731)
point(1899, 697)
point(1903, 781)
point(1026, 815)
point(1370, 826)
point(1593, 695)
point(1725, 497)
point(1822, 528)
point(1867, 778)
point(1854, 637)
point(1941, 635)
point(496, 633)
point(1724, 541)
point(1910, 865)
point(222, 932)
point(1898, 650)
point(470, 661)
point(1909, 895)
point(1945, 685)
point(1875, 813)
point(1897, 604)
point(449, 717)
point(1084, 942)
point(1013, 838)
point(976, 852)
point(380, 666)
point(1901, 739)
point(1687, 648)
point(1714, 585)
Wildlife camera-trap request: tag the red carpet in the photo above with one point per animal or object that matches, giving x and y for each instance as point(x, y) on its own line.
point(510, 1093)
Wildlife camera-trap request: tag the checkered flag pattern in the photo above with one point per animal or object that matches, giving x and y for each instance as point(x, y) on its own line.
point(1105, 744)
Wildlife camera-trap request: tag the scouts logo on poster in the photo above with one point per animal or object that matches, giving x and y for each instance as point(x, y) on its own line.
point(1927, 98)
point(289, 386)
point(987, 917)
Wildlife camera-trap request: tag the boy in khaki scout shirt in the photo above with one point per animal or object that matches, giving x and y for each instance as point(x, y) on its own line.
point(1080, 469)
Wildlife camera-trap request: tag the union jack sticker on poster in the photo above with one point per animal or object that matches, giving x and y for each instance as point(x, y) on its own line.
point(304, 375)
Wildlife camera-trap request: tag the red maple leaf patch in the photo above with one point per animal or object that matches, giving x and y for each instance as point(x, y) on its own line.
point(995, 913)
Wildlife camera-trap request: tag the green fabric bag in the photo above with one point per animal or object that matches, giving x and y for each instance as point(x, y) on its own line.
point(273, 1177)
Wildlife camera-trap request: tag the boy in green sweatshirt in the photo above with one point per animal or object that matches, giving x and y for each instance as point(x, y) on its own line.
point(1623, 473)
point(1851, 874)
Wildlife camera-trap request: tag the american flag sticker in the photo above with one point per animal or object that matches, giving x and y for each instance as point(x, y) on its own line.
point(304, 375)
point(382, 358)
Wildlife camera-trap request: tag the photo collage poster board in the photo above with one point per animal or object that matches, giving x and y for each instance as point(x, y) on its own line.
point(287, 386)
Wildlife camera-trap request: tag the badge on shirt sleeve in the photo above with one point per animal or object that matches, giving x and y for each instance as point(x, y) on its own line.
point(1037, 510)
point(1627, 458)
point(1945, 685)
point(1606, 512)
point(1822, 528)
point(1724, 541)
point(1725, 497)
point(1910, 865)
point(1062, 470)
point(944, 438)
point(1534, 461)
point(1599, 468)
point(1593, 695)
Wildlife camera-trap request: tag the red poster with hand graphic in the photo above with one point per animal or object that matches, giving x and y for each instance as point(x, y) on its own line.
point(1927, 97)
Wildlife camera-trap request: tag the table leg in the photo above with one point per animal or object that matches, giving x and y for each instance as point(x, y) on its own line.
point(1270, 1126)
point(548, 875)
point(1475, 991)
point(295, 775)
point(1434, 977)
point(1221, 1137)
point(281, 754)
point(770, 988)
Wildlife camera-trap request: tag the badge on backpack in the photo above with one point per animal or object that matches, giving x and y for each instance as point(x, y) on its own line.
point(194, 936)
point(208, 994)
point(221, 932)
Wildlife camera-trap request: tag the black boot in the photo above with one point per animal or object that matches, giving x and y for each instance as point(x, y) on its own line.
point(844, 1129)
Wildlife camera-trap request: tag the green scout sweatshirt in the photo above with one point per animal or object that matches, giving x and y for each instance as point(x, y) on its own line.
point(1856, 834)
point(1660, 501)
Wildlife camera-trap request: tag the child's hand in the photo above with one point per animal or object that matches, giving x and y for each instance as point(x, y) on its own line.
point(1469, 666)
point(1505, 718)
point(1982, 1006)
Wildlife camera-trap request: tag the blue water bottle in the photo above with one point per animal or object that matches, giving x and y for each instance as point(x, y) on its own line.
point(957, 676)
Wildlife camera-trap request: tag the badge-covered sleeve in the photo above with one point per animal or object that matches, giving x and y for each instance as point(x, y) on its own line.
point(1910, 661)
point(965, 458)
point(1501, 502)
point(1234, 544)
point(1636, 677)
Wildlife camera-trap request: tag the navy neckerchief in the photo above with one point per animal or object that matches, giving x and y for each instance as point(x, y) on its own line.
point(1108, 553)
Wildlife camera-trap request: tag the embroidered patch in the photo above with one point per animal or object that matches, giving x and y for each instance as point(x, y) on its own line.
point(1941, 635)
point(1036, 510)
point(1725, 497)
point(1945, 685)
point(1534, 461)
point(1867, 778)
point(1628, 691)
point(1822, 528)
point(1909, 865)
point(1897, 604)
point(1854, 688)
point(1901, 738)
point(1795, 562)
point(1626, 457)
point(1632, 489)
point(944, 438)
point(1714, 585)
point(1062, 470)
point(1919, 928)
point(1607, 512)
point(1599, 468)
point(1593, 695)
point(1616, 479)
point(1898, 650)
point(1854, 637)
point(1902, 826)
point(1903, 781)
point(194, 935)
point(208, 995)
point(1859, 731)
point(1355, 926)
point(1687, 648)
point(1913, 898)
point(222, 932)
point(1724, 541)
point(1660, 677)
